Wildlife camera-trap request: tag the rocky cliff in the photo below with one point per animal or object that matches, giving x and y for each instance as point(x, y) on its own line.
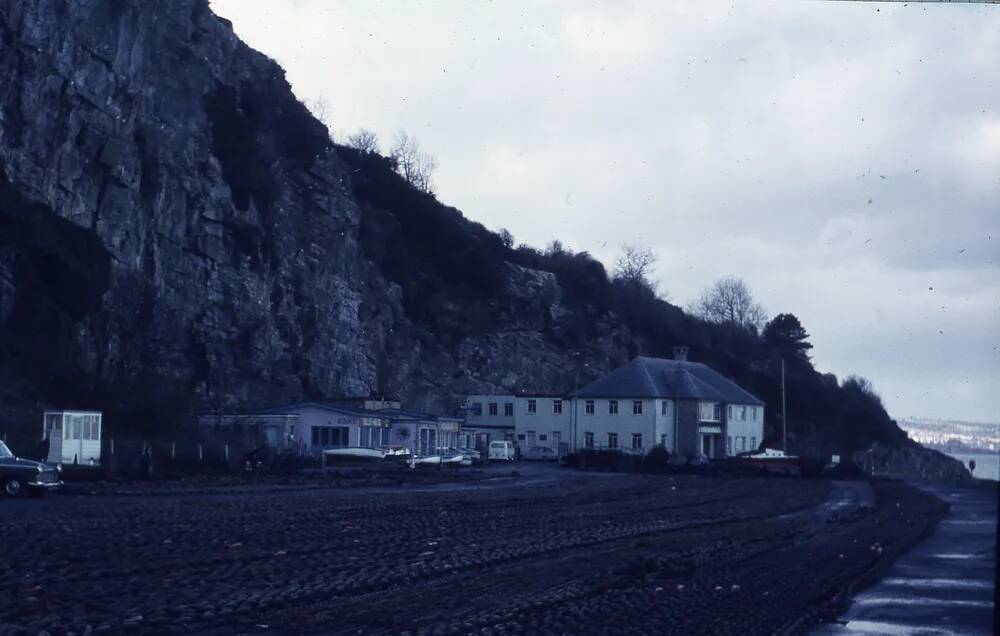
point(178, 233)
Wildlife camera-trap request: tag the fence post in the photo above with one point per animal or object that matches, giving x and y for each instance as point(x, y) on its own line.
point(173, 450)
point(227, 453)
point(201, 455)
point(112, 446)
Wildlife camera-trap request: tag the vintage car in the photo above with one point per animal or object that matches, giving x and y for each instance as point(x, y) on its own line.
point(21, 476)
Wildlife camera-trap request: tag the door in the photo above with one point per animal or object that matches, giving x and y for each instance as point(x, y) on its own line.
point(706, 445)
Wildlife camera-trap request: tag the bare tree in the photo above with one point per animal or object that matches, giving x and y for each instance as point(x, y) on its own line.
point(506, 238)
point(635, 264)
point(412, 164)
point(320, 109)
point(364, 141)
point(730, 301)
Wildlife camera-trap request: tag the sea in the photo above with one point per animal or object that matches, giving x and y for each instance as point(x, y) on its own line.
point(987, 464)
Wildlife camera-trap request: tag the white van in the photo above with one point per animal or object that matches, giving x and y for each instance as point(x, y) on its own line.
point(502, 451)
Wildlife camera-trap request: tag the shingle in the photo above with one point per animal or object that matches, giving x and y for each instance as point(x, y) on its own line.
point(673, 379)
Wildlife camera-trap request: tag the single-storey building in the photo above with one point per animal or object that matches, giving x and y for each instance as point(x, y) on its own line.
point(74, 436)
point(421, 433)
point(686, 407)
point(311, 427)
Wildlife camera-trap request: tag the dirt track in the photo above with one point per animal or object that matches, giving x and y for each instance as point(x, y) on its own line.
point(564, 553)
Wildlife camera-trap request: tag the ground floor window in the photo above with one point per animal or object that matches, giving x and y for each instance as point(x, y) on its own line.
point(753, 443)
point(663, 440)
point(542, 437)
point(636, 441)
point(612, 440)
point(729, 445)
point(330, 435)
point(374, 436)
point(588, 440)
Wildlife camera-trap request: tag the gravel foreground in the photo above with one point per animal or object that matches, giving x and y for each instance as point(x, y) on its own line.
point(567, 553)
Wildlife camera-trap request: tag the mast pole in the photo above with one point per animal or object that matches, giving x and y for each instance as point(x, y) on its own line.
point(784, 411)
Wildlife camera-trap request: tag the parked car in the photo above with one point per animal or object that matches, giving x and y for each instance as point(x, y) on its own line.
point(21, 476)
point(539, 453)
point(503, 451)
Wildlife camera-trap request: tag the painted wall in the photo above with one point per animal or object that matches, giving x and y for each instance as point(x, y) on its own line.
point(687, 427)
point(544, 427)
point(310, 416)
point(665, 424)
point(744, 427)
point(624, 423)
point(485, 419)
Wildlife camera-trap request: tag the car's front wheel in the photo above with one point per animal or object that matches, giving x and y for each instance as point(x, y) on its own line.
point(14, 487)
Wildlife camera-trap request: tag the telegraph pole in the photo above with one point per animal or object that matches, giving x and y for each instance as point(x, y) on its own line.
point(784, 411)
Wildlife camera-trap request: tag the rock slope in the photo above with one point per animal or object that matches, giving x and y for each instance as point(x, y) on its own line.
point(178, 233)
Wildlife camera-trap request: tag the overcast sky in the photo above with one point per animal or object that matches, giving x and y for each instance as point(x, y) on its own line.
point(843, 158)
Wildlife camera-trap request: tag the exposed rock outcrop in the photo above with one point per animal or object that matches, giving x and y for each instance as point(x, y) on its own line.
point(178, 233)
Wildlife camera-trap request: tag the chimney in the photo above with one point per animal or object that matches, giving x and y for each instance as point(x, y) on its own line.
point(681, 353)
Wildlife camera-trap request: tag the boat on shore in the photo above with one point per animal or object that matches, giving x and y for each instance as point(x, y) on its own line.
point(772, 460)
point(353, 454)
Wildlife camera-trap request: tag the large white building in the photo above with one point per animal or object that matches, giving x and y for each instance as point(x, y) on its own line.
point(686, 407)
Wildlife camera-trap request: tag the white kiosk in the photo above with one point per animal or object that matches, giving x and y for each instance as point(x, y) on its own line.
point(74, 437)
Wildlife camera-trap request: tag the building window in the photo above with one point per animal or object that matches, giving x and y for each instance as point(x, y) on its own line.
point(710, 411)
point(330, 435)
point(663, 440)
point(753, 443)
point(636, 441)
point(588, 439)
point(742, 442)
point(589, 407)
point(477, 409)
point(520, 437)
point(729, 445)
point(636, 407)
point(532, 406)
point(612, 407)
point(730, 416)
point(663, 407)
point(557, 407)
point(743, 413)
point(612, 440)
point(493, 408)
point(508, 409)
point(542, 437)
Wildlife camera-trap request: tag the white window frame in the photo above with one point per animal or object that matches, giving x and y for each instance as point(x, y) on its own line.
point(588, 439)
point(589, 407)
point(663, 407)
point(557, 407)
point(532, 406)
point(612, 407)
point(612, 437)
point(494, 409)
point(508, 409)
point(636, 437)
point(636, 407)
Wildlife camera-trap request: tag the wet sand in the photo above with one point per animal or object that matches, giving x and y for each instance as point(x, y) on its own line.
point(945, 586)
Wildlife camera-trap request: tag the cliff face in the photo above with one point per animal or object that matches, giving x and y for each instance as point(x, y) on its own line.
point(176, 233)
